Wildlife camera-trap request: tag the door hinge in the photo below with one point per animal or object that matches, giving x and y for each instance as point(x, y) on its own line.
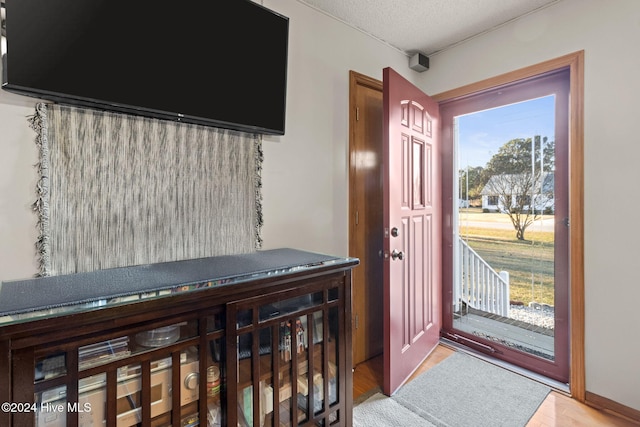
point(357, 114)
point(356, 321)
point(357, 217)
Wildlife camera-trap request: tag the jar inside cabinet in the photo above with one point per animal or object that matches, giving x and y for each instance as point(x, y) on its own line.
point(287, 360)
point(111, 374)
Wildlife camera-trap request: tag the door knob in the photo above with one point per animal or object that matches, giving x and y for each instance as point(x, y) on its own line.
point(397, 255)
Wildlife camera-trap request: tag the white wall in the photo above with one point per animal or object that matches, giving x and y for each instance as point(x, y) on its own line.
point(305, 174)
point(608, 32)
point(18, 181)
point(305, 179)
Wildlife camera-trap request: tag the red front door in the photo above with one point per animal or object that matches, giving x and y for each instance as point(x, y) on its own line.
point(412, 228)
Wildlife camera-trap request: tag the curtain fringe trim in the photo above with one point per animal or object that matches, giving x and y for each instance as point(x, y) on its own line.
point(259, 157)
point(38, 122)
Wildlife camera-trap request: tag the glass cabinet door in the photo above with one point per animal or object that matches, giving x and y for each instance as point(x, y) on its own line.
point(156, 374)
point(286, 361)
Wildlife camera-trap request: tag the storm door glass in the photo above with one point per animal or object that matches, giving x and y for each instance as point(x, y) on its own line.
point(505, 277)
point(509, 233)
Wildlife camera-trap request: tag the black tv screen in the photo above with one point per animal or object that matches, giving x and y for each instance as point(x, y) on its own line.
point(220, 63)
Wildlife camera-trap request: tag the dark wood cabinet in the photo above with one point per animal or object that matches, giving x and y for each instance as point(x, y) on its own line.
point(262, 339)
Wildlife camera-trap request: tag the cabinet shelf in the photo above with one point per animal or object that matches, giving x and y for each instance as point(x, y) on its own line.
point(146, 360)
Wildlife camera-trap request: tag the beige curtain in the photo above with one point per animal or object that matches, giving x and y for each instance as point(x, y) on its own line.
point(118, 190)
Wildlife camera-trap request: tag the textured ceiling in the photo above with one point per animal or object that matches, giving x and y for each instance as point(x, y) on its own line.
point(425, 26)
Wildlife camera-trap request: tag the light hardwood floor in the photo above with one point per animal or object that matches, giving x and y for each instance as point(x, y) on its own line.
point(557, 410)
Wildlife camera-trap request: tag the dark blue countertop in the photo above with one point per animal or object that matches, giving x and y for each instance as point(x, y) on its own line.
point(46, 296)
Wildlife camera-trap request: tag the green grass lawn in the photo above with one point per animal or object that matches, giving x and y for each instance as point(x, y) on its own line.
point(529, 263)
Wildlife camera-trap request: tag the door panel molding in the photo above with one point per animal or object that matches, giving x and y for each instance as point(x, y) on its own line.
point(412, 270)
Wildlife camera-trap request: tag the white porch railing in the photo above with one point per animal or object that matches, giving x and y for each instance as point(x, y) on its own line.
point(478, 285)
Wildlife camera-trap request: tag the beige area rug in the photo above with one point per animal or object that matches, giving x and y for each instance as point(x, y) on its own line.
point(460, 391)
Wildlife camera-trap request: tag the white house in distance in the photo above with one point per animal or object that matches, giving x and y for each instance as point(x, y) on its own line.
point(504, 188)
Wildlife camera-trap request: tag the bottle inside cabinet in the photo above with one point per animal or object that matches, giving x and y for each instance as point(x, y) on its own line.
point(296, 382)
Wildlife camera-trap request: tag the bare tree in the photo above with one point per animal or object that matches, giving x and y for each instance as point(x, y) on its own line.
point(523, 189)
point(520, 197)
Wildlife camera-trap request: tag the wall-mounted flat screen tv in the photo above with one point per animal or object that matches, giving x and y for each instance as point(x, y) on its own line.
point(219, 63)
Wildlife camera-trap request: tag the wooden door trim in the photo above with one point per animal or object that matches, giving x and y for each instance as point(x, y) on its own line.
point(364, 279)
point(575, 63)
point(355, 79)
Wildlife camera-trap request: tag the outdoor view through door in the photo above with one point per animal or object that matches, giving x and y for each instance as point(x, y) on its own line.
point(506, 282)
